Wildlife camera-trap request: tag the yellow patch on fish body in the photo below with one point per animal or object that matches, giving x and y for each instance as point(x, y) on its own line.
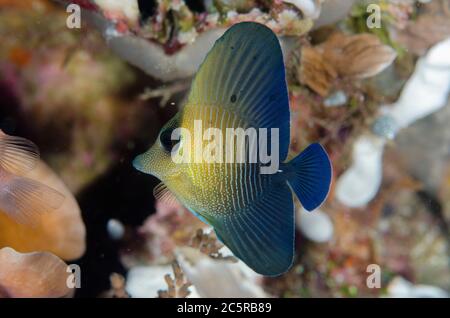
point(207, 187)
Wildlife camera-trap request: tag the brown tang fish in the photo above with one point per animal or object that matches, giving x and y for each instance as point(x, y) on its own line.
point(223, 155)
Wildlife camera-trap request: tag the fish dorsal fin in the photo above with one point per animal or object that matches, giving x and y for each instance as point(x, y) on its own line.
point(163, 194)
point(244, 73)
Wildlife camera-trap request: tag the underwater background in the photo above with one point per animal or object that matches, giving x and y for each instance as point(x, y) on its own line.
point(369, 80)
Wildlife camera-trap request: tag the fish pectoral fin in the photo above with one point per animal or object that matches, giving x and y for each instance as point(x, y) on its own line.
point(25, 200)
point(17, 155)
point(262, 235)
point(163, 194)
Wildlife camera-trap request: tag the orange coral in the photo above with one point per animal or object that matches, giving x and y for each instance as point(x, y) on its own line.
point(61, 232)
point(38, 274)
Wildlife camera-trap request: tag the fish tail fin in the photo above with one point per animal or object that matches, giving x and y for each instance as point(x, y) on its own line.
point(24, 200)
point(311, 177)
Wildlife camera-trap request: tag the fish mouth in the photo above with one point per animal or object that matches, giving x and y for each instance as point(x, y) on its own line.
point(144, 164)
point(138, 164)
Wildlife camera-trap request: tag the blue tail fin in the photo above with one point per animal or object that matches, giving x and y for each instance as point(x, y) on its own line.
point(312, 176)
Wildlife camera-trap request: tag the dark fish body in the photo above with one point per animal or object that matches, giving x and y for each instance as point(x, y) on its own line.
point(241, 85)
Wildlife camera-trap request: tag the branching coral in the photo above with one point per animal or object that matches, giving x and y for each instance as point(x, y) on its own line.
point(207, 243)
point(177, 286)
point(117, 287)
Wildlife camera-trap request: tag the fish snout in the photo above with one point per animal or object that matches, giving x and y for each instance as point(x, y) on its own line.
point(139, 163)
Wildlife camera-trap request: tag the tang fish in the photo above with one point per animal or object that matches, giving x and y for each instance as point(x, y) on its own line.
point(241, 84)
point(21, 198)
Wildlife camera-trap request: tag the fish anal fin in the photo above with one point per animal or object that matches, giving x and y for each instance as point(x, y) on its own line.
point(262, 235)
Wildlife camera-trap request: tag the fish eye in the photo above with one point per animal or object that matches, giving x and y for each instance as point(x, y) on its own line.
point(165, 138)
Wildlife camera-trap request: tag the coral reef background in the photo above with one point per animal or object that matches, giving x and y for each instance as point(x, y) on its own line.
point(93, 98)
